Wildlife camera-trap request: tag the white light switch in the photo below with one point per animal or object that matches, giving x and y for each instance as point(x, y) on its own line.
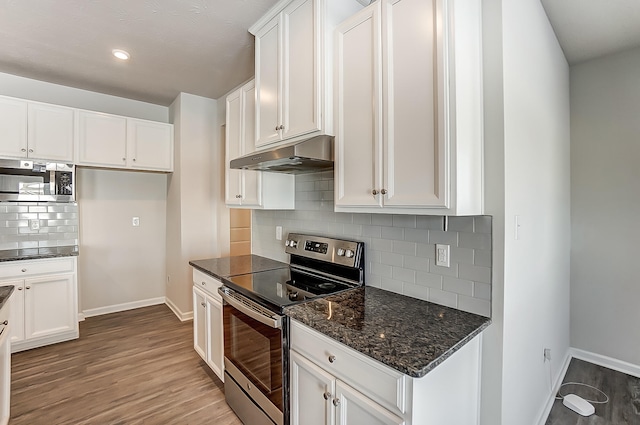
point(442, 255)
point(135, 221)
point(278, 233)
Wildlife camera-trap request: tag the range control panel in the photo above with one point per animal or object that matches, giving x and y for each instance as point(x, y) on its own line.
point(336, 251)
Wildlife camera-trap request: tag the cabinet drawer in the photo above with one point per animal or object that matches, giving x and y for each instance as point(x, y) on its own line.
point(207, 283)
point(377, 381)
point(12, 269)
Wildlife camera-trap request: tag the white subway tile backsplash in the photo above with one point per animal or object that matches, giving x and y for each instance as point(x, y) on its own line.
point(399, 249)
point(57, 225)
point(459, 286)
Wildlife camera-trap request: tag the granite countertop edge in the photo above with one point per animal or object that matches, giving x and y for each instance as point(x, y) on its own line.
point(221, 268)
point(9, 255)
point(5, 293)
point(334, 332)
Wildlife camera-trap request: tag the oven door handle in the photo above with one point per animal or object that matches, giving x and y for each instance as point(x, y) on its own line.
point(251, 309)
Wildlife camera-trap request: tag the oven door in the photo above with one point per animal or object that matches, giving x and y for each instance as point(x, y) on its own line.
point(253, 351)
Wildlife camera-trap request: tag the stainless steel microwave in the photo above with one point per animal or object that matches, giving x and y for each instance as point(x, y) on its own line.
point(36, 181)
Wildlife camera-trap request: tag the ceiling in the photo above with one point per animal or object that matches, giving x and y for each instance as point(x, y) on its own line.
point(589, 29)
point(202, 47)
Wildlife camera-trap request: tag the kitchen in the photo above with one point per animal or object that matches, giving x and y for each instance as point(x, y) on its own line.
point(113, 245)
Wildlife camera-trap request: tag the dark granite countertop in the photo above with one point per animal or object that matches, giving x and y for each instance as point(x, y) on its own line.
point(409, 335)
point(5, 293)
point(38, 253)
point(233, 266)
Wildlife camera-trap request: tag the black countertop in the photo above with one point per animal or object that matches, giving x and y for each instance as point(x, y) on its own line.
point(409, 335)
point(223, 267)
point(5, 293)
point(38, 253)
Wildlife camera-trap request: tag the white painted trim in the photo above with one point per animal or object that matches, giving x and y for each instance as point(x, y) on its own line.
point(81, 317)
point(181, 315)
point(556, 386)
point(123, 307)
point(610, 362)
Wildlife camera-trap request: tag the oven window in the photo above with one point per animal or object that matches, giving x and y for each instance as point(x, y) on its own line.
point(256, 350)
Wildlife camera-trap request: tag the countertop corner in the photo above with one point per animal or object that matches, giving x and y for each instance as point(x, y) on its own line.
point(409, 335)
point(5, 293)
point(224, 267)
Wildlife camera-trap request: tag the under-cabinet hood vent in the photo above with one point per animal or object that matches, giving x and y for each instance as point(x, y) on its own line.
point(310, 156)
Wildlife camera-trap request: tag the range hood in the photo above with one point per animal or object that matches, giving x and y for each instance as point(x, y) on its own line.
point(309, 156)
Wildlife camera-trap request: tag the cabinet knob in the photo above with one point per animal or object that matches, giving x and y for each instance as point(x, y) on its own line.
point(277, 127)
point(203, 304)
point(28, 287)
point(24, 270)
point(336, 402)
point(203, 284)
point(383, 191)
point(374, 192)
point(6, 322)
point(23, 150)
point(281, 127)
point(134, 160)
point(20, 288)
point(124, 159)
point(332, 359)
point(326, 395)
point(31, 150)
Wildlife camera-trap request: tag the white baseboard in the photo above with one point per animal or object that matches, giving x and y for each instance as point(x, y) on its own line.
point(179, 313)
point(556, 386)
point(122, 307)
point(81, 317)
point(611, 363)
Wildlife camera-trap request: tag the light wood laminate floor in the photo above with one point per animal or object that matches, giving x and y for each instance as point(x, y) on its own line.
point(623, 390)
point(133, 367)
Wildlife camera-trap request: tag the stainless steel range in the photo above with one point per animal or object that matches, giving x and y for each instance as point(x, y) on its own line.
point(256, 331)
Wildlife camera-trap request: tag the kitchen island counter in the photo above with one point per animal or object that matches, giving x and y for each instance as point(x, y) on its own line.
point(5, 293)
point(38, 253)
point(409, 335)
point(224, 267)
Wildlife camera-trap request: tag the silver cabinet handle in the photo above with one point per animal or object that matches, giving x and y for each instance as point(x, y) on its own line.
point(23, 150)
point(281, 127)
point(374, 192)
point(277, 127)
point(20, 288)
point(326, 395)
point(336, 402)
point(24, 270)
point(203, 304)
point(31, 150)
point(332, 359)
point(383, 191)
point(28, 287)
point(204, 283)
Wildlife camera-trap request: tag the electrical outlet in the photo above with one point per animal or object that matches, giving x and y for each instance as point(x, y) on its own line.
point(442, 255)
point(547, 354)
point(34, 224)
point(135, 221)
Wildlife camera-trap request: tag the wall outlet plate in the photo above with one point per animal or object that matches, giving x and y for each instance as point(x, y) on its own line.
point(135, 221)
point(443, 255)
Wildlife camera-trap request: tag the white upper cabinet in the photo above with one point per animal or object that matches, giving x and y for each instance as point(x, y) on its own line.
point(245, 188)
point(36, 130)
point(293, 68)
point(113, 141)
point(409, 109)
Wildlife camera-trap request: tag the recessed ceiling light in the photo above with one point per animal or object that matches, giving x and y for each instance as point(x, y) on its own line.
point(120, 54)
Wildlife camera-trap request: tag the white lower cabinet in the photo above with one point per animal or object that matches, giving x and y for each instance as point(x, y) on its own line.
point(44, 305)
point(208, 340)
point(334, 384)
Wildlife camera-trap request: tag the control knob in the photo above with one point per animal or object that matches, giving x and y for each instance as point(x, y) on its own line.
point(348, 253)
point(340, 252)
point(291, 243)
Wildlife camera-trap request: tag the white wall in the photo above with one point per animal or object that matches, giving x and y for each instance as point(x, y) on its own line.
point(533, 308)
point(119, 263)
point(40, 91)
point(193, 196)
point(605, 172)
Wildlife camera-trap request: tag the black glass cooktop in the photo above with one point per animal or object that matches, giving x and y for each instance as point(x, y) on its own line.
point(284, 287)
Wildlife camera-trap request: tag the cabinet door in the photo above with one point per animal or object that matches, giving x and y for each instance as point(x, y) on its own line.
point(233, 139)
point(149, 145)
point(309, 387)
point(251, 180)
point(215, 340)
point(200, 323)
point(50, 132)
point(355, 408)
point(415, 148)
point(13, 127)
point(358, 115)
point(102, 139)
point(50, 306)
point(301, 68)
point(268, 82)
point(16, 310)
